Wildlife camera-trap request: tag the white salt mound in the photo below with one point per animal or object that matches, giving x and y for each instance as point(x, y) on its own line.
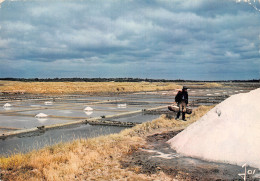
point(230, 132)
point(7, 105)
point(41, 115)
point(88, 109)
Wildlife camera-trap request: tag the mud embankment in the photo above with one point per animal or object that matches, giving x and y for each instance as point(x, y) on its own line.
point(158, 156)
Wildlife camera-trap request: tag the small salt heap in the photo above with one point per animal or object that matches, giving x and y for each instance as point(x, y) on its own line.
point(7, 105)
point(48, 103)
point(88, 109)
point(41, 115)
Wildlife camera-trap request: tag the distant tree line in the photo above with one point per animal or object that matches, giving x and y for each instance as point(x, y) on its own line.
point(114, 80)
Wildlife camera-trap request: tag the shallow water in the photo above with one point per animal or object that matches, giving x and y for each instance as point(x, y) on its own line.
point(23, 122)
point(37, 140)
point(70, 113)
point(139, 118)
point(28, 142)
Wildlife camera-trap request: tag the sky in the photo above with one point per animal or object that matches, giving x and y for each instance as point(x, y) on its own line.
point(159, 39)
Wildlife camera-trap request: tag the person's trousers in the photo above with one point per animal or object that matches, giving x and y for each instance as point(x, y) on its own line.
point(182, 108)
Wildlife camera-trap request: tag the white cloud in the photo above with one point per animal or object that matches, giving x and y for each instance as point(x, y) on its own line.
point(4, 43)
point(231, 54)
point(15, 26)
point(91, 38)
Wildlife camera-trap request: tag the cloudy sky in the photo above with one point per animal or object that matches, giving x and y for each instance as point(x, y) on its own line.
point(170, 39)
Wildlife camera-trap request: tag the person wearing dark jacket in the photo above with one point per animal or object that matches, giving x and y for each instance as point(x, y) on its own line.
point(182, 100)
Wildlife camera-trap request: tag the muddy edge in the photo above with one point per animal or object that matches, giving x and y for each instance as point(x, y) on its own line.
point(184, 168)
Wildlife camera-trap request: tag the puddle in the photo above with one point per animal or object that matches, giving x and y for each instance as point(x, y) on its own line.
point(161, 154)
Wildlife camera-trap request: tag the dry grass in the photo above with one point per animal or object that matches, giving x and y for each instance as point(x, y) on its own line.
point(83, 87)
point(212, 85)
point(164, 124)
point(202, 85)
point(93, 159)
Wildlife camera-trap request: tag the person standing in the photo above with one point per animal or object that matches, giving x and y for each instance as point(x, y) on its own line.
point(182, 101)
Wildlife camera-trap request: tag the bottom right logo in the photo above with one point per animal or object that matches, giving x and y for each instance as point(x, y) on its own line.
point(249, 174)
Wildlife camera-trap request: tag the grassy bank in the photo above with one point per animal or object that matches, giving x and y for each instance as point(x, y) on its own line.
point(92, 159)
point(202, 85)
point(83, 87)
point(94, 87)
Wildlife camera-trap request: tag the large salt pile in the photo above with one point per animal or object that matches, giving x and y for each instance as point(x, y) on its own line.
point(229, 133)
